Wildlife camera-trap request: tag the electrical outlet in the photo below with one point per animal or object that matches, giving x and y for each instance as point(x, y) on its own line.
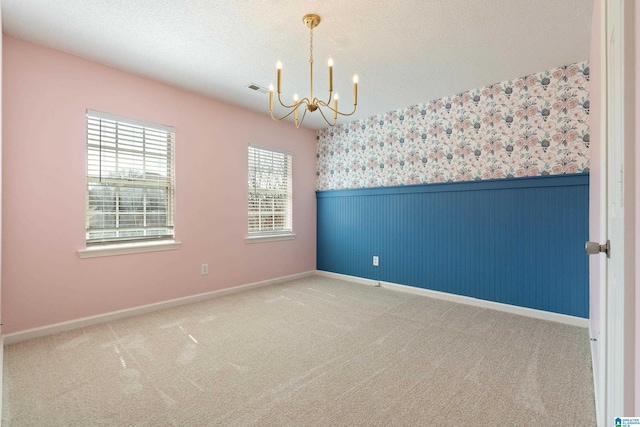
point(375, 261)
point(205, 269)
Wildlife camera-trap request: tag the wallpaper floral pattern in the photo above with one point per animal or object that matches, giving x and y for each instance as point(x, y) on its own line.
point(531, 126)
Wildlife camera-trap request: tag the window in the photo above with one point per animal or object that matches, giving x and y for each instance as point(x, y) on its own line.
point(269, 193)
point(130, 180)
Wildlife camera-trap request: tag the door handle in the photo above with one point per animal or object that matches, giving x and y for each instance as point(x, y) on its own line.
point(592, 248)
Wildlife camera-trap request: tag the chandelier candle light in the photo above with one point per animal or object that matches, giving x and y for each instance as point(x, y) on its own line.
point(312, 104)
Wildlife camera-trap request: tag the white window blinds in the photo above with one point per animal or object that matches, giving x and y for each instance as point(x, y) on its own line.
point(270, 197)
point(130, 180)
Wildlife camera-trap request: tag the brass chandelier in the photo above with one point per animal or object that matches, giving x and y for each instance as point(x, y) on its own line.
point(312, 104)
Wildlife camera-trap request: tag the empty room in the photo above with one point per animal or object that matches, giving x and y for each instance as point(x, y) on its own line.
point(319, 213)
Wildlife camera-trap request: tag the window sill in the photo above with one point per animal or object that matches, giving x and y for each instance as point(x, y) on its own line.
point(270, 238)
point(128, 248)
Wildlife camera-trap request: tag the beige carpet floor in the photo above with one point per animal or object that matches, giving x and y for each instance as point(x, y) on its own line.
point(310, 352)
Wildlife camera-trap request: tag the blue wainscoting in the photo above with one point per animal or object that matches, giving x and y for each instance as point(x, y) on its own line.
point(514, 241)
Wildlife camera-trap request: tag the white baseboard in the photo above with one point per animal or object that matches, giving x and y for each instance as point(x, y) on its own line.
point(513, 309)
point(42, 331)
point(347, 278)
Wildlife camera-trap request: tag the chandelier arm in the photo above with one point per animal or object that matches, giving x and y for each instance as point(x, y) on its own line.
point(348, 114)
point(330, 92)
point(325, 117)
point(295, 104)
point(302, 119)
point(283, 117)
point(321, 103)
point(293, 109)
point(324, 104)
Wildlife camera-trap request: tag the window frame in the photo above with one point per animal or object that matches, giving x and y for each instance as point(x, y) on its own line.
point(286, 233)
point(147, 155)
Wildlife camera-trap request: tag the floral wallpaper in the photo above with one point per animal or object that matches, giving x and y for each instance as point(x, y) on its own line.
point(530, 126)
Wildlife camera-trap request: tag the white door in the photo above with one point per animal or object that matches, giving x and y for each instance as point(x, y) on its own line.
point(1, 338)
point(616, 341)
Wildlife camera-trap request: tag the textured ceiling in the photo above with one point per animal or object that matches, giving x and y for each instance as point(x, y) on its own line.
point(405, 51)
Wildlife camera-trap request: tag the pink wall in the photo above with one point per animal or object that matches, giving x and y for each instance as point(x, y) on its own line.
point(46, 94)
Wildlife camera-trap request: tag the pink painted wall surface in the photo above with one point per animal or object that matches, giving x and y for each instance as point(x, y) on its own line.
point(595, 176)
point(46, 95)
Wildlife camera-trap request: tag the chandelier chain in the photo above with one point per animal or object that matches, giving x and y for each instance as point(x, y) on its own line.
point(311, 46)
